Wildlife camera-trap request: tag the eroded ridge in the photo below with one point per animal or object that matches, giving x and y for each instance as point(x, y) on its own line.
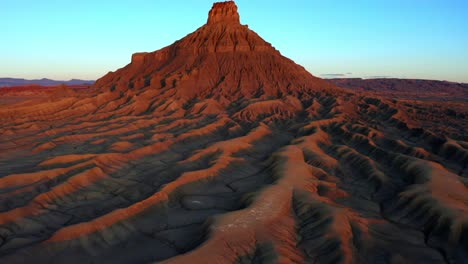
point(137, 176)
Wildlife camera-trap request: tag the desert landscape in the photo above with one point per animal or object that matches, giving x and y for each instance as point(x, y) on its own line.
point(218, 149)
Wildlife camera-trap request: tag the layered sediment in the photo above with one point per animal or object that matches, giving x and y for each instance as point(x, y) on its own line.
point(217, 149)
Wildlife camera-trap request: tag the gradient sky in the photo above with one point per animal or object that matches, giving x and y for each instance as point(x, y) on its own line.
point(63, 39)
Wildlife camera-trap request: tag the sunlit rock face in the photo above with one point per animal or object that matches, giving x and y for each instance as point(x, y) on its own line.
point(225, 12)
point(217, 149)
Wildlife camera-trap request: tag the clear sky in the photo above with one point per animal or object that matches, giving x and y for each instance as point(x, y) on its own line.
point(63, 39)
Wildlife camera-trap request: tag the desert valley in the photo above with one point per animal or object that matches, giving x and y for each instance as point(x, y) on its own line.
point(218, 149)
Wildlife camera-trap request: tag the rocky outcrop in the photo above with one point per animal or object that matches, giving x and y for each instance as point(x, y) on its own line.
point(139, 58)
point(225, 12)
point(221, 59)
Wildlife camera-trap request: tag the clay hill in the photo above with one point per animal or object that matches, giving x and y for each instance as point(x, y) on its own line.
point(217, 149)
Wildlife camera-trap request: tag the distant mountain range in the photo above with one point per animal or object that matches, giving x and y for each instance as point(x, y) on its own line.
point(9, 82)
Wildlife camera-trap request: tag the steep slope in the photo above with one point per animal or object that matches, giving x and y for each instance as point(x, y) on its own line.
point(221, 59)
point(217, 149)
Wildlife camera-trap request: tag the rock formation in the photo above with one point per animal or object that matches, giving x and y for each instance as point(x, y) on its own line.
point(222, 59)
point(217, 149)
point(225, 12)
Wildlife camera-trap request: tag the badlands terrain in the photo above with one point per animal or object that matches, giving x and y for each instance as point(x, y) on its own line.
point(217, 149)
point(423, 90)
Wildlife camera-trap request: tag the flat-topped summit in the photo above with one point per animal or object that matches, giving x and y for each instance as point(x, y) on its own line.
point(220, 59)
point(224, 12)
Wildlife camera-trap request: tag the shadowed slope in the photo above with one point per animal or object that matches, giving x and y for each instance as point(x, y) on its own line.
point(217, 149)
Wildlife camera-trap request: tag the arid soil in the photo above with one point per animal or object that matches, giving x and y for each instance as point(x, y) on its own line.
point(217, 149)
point(32, 94)
point(439, 105)
point(424, 90)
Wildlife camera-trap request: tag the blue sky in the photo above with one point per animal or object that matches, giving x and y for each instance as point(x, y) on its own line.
point(63, 39)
